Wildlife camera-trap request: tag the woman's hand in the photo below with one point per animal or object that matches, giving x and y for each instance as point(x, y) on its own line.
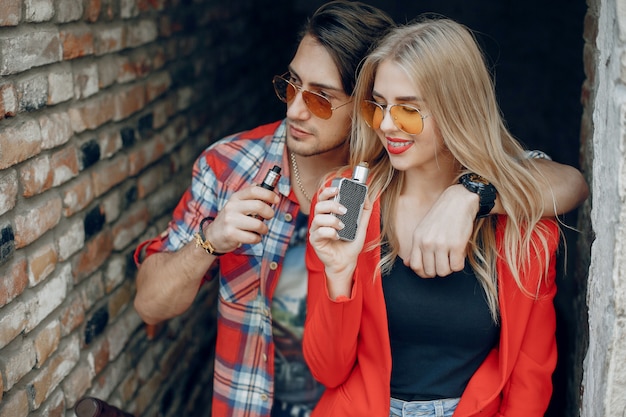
point(338, 256)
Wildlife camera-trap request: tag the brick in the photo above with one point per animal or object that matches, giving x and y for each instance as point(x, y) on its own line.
point(46, 342)
point(60, 85)
point(109, 39)
point(76, 384)
point(36, 176)
point(64, 165)
point(110, 143)
point(69, 11)
point(92, 113)
point(32, 92)
point(17, 360)
point(19, 142)
point(129, 101)
point(77, 195)
point(15, 404)
point(157, 85)
point(38, 10)
point(77, 41)
point(98, 356)
point(71, 240)
point(32, 48)
point(151, 180)
point(121, 330)
point(162, 110)
point(12, 322)
point(92, 292)
point(111, 204)
point(129, 227)
point(93, 9)
point(109, 174)
point(56, 129)
point(128, 9)
point(41, 263)
point(95, 252)
point(54, 406)
point(37, 220)
point(141, 33)
point(8, 101)
point(72, 314)
point(13, 281)
point(11, 12)
point(114, 273)
point(43, 383)
point(85, 80)
point(47, 297)
point(109, 67)
point(8, 191)
point(120, 299)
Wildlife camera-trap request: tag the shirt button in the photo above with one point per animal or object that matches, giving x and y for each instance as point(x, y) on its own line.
point(264, 397)
point(264, 357)
point(266, 312)
point(273, 266)
point(288, 217)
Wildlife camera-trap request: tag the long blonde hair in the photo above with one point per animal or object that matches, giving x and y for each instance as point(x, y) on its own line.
point(443, 59)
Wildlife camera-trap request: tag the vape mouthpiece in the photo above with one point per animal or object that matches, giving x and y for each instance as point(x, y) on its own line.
point(361, 172)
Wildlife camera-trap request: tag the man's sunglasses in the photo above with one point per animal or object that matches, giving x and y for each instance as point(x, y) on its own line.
point(406, 117)
point(317, 104)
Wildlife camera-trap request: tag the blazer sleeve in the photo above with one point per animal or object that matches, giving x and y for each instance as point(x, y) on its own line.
point(331, 327)
point(528, 389)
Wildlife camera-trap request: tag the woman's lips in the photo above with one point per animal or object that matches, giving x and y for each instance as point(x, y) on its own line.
point(398, 146)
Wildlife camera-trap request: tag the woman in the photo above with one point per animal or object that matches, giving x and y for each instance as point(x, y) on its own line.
point(476, 342)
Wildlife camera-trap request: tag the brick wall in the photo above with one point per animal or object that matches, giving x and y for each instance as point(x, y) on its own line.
point(104, 105)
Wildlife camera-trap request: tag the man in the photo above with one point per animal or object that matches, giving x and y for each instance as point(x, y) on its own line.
point(252, 239)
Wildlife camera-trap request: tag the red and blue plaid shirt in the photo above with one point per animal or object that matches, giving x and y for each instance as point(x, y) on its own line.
point(244, 356)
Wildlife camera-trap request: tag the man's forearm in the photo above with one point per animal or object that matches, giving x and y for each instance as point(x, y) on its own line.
point(168, 282)
point(564, 187)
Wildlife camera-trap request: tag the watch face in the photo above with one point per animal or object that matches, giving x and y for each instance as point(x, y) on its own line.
point(477, 178)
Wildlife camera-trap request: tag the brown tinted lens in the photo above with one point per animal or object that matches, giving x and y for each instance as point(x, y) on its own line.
point(368, 111)
point(406, 118)
point(318, 105)
point(281, 87)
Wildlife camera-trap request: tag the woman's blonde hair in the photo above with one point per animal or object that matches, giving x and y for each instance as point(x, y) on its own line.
point(442, 58)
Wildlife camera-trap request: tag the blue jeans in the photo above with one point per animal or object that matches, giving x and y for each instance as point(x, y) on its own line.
point(434, 408)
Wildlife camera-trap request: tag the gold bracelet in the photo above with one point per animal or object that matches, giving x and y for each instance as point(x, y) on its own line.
point(206, 245)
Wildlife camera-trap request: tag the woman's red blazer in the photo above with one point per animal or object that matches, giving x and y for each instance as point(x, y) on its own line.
point(346, 342)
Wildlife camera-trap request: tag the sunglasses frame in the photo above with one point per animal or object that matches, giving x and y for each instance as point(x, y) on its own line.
point(387, 109)
point(306, 100)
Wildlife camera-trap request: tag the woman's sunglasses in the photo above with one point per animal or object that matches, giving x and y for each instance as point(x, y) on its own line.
point(407, 118)
point(319, 105)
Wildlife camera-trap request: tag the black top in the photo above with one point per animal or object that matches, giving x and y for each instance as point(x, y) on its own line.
point(440, 330)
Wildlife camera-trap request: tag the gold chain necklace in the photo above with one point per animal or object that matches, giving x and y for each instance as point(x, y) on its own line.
point(296, 174)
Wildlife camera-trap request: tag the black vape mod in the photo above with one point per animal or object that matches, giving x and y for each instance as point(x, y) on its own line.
point(352, 196)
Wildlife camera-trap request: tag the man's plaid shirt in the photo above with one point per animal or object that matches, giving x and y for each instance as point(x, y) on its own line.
point(244, 358)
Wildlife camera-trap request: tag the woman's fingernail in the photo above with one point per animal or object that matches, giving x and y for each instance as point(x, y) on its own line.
point(343, 210)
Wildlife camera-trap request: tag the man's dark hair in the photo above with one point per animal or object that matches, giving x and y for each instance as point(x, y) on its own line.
point(348, 30)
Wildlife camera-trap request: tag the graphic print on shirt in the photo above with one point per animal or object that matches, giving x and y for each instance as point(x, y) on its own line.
point(292, 380)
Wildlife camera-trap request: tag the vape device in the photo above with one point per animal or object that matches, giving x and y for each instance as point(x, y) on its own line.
point(271, 178)
point(351, 195)
point(269, 182)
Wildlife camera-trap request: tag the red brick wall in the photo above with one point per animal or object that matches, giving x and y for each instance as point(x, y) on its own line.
point(104, 105)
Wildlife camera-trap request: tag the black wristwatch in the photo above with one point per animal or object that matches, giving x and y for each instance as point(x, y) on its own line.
point(485, 190)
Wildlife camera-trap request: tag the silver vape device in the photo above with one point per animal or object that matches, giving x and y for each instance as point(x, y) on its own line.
point(351, 195)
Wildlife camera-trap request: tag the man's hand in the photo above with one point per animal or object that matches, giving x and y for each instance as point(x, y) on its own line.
point(440, 239)
point(241, 220)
